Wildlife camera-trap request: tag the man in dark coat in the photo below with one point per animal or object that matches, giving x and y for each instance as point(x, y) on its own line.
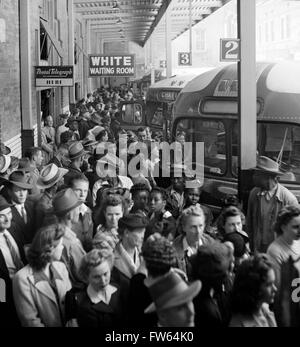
point(12, 259)
point(23, 216)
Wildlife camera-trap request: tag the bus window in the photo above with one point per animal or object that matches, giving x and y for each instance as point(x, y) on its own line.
point(158, 117)
point(281, 142)
point(212, 133)
point(132, 114)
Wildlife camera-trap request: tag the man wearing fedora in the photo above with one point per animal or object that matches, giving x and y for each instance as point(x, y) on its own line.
point(49, 181)
point(76, 155)
point(64, 205)
point(173, 300)
point(23, 213)
point(265, 201)
point(12, 259)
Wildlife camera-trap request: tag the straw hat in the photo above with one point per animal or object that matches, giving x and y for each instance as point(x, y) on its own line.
point(50, 175)
point(267, 165)
point(76, 150)
point(5, 161)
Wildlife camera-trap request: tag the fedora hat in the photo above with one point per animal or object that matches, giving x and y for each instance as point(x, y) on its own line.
point(171, 291)
point(20, 179)
point(4, 149)
point(5, 161)
point(24, 165)
point(65, 201)
point(4, 204)
point(267, 165)
point(89, 141)
point(76, 150)
point(50, 175)
point(96, 119)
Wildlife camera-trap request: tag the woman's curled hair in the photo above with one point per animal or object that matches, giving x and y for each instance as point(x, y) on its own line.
point(93, 259)
point(250, 276)
point(39, 253)
point(285, 216)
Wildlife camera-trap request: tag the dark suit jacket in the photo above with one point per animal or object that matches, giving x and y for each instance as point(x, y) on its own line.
point(8, 314)
point(21, 231)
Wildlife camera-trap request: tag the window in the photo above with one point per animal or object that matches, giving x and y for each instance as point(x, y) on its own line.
point(132, 114)
point(43, 43)
point(272, 31)
point(200, 40)
point(281, 142)
point(212, 133)
point(267, 32)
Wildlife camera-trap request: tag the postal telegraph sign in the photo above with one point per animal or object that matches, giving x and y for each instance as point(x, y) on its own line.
point(230, 50)
point(54, 76)
point(112, 65)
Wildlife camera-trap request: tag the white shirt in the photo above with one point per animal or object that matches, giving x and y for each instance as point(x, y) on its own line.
point(187, 248)
point(102, 296)
point(6, 252)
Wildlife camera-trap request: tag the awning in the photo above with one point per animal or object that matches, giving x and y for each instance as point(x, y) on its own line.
point(52, 38)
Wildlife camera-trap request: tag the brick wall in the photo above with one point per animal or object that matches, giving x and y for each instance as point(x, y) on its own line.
point(10, 72)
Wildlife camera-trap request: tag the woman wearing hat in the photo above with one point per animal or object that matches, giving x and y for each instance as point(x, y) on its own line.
point(40, 288)
point(100, 304)
point(285, 246)
point(131, 229)
point(253, 291)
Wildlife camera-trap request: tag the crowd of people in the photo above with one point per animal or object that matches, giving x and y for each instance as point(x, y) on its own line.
point(81, 246)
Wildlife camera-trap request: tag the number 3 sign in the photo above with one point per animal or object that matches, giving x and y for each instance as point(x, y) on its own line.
point(230, 50)
point(184, 59)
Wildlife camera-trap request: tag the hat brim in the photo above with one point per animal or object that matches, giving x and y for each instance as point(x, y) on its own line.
point(78, 155)
point(21, 185)
point(41, 185)
point(6, 150)
point(186, 296)
point(65, 211)
point(268, 171)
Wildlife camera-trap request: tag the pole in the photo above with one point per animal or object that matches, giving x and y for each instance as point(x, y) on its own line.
point(169, 42)
point(247, 94)
point(191, 29)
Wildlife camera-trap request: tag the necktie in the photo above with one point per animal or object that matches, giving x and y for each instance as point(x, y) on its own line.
point(24, 215)
point(15, 257)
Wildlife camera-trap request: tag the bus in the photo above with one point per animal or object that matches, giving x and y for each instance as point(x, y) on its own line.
point(207, 111)
point(156, 113)
point(160, 99)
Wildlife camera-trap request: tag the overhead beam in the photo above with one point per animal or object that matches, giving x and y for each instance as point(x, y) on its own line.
point(158, 18)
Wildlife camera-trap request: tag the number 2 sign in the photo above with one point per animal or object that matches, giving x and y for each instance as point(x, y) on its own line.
point(230, 50)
